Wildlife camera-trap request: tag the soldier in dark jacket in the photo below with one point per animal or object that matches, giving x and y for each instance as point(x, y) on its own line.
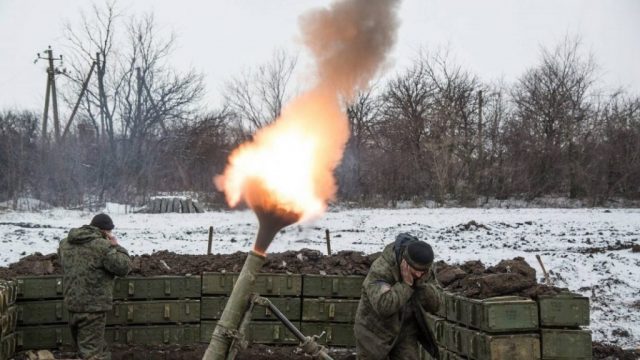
point(399, 288)
point(91, 258)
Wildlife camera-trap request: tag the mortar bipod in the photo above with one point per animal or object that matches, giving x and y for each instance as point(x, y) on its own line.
point(308, 344)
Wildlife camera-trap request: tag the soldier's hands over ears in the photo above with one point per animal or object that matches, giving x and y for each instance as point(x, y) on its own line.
point(405, 272)
point(112, 238)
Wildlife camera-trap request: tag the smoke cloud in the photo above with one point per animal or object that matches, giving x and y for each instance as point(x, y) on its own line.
point(350, 41)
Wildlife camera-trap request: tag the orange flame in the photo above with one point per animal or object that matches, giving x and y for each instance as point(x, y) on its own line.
point(289, 164)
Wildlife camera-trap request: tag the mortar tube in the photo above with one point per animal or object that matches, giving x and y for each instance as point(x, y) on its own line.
point(240, 300)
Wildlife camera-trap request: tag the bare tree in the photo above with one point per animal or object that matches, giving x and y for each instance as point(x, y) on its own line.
point(552, 100)
point(257, 96)
point(136, 97)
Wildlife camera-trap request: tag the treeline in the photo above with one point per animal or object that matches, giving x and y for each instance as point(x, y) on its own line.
point(434, 131)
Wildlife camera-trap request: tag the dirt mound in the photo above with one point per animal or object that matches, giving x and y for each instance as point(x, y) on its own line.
point(508, 277)
point(613, 352)
point(304, 261)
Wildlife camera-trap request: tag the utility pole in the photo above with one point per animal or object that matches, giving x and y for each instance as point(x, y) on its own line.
point(480, 142)
point(52, 71)
point(75, 108)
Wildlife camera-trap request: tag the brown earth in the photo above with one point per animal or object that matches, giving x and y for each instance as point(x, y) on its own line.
point(613, 352)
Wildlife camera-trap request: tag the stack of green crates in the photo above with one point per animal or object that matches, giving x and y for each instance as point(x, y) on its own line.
point(329, 307)
point(283, 290)
point(561, 320)
point(512, 327)
point(184, 309)
point(8, 318)
point(151, 310)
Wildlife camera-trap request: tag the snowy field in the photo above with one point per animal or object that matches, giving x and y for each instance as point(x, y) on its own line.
point(568, 241)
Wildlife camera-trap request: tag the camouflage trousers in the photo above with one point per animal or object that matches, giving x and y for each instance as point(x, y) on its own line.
point(88, 332)
point(404, 348)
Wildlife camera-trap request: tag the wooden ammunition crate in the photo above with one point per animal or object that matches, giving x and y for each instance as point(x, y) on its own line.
point(268, 285)
point(329, 310)
point(493, 315)
point(564, 310)
point(334, 334)
point(560, 344)
point(259, 332)
point(212, 308)
point(157, 287)
point(332, 286)
point(39, 287)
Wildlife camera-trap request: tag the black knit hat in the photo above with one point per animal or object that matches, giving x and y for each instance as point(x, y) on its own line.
point(102, 222)
point(419, 255)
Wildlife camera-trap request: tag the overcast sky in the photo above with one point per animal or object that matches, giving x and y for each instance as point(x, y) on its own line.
point(495, 39)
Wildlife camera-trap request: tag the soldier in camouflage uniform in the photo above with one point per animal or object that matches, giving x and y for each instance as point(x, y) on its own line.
point(91, 257)
point(399, 287)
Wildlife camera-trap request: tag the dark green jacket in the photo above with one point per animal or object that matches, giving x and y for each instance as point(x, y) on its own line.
point(90, 263)
point(387, 304)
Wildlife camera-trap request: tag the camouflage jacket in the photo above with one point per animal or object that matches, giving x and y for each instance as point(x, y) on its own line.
point(90, 263)
point(387, 305)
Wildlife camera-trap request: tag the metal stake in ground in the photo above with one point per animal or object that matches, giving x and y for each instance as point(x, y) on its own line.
point(544, 271)
point(210, 240)
point(327, 236)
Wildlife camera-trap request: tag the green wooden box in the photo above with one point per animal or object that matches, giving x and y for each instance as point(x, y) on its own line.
point(7, 347)
point(436, 325)
point(334, 334)
point(212, 307)
point(154, 312)
point(483, 346)
point(332, 286)
point(266, 284)
point(494, 315)
point(48, 337)
point(58, 336)
point(128, 312)
point(559, 344)
point(564, 310)
point(42, 312)
point(157, 287)
point(329, 310)
point(260, 332)
point(186, 334)
point(39, 287)
point(474, 344)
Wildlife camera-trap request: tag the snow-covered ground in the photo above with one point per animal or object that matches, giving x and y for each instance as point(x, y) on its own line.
point(611, 278)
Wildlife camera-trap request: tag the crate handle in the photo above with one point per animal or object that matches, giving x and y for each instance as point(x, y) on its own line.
point(59, 311)
point(167, 311)
point(167, 287)
point(132, 288)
